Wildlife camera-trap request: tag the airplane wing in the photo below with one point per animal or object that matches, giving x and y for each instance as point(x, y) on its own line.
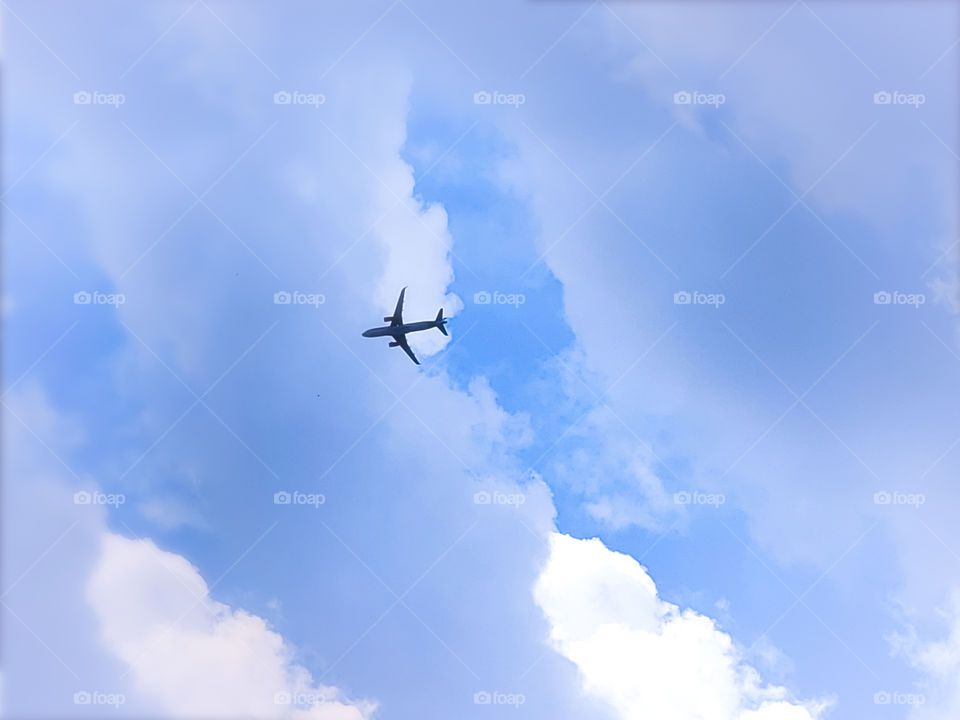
point(402, 342)
point(397, 318)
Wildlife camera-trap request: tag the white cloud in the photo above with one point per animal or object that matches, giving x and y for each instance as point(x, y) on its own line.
point(171, 513)
point(215, 661)
point(938, 697)
point(190, 655)
point(414, 241)
point(811, 113)
point(617, 477)
point(648, 658)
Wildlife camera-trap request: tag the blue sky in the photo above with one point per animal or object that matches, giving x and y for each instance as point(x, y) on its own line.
point(736, 508)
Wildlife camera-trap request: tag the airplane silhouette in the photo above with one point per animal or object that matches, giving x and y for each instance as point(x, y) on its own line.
point(398, 330)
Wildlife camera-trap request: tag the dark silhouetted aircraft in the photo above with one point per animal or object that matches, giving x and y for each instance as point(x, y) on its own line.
point(398, 330)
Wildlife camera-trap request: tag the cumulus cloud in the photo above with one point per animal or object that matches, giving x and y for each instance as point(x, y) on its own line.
point(191, 656)
point(938, 697)
point(619, 479)
point(646, 657)
point(809, 114)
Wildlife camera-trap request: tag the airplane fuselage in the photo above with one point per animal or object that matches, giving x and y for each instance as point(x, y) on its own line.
point(394, 330)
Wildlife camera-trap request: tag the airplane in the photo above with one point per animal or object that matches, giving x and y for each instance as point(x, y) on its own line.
point(398, 330)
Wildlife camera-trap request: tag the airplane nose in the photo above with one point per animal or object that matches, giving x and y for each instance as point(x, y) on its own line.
point(366, 333)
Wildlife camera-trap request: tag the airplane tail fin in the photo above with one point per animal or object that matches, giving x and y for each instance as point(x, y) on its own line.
point(440, 322)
